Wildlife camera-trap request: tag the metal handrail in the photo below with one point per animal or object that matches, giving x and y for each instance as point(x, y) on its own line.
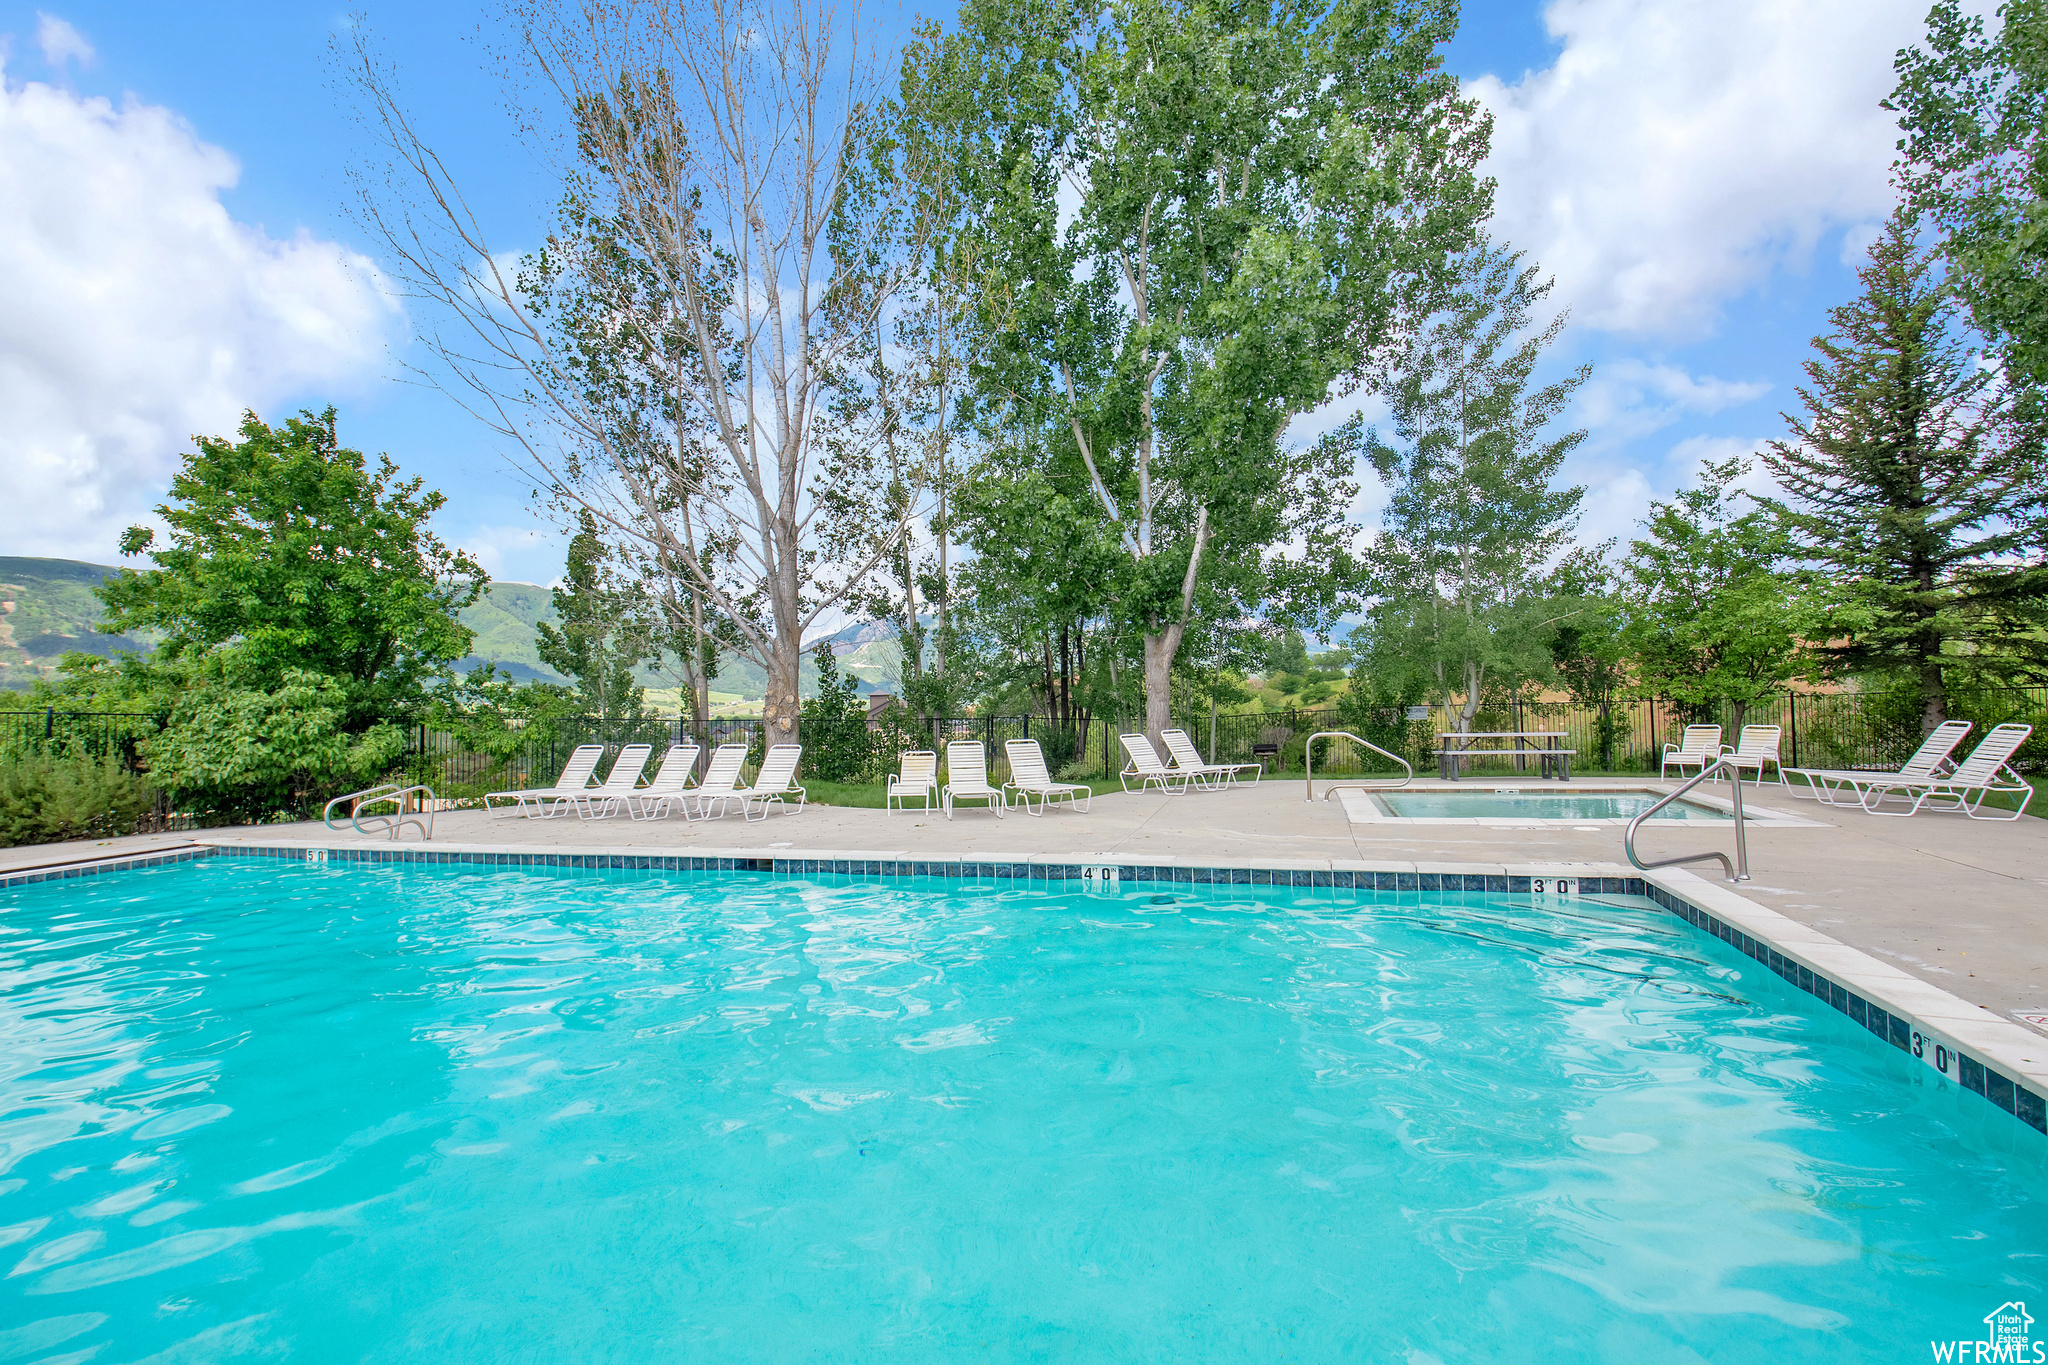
point(395, 822)
point(1738, 871)
point(1308, 759)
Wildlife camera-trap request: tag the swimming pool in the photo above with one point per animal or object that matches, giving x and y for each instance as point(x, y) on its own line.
point(1521, 804)
point(456, 1113)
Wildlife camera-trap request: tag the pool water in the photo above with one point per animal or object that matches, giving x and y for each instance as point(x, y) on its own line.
point(1539, 805)
point(254, 1110)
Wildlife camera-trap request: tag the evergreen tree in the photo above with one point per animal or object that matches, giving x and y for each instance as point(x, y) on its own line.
point(604, 633)
point(1914, 481)
point(838, 746)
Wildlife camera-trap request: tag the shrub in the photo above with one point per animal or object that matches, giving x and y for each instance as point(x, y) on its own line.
point(245, 752)
point(43, 800)
point(834, 726)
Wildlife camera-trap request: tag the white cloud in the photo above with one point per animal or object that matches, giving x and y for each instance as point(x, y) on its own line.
point(1690, 454)
point(61, 43)
point(1629, 398)
point(532, 553)
point(135, 311)
point(1613, 506)
point(1858, 240)
point(1678, 150)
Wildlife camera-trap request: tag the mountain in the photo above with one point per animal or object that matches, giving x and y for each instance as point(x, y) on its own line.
point(503, 619)
point(47, 610)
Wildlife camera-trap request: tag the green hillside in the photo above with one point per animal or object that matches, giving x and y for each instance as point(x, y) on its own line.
point(47, 610)
point(503, 619)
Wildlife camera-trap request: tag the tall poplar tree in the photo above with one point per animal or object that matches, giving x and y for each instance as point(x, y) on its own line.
point(1475, 515)
point(604, 633)
point(1974, 112)
point(1915, 481)
point(1190, 222)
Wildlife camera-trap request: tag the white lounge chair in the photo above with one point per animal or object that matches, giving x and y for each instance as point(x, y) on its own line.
point(1188, 759)
point(548, 802)
point(1701, 746)
point(1145, 766)
point(1983, 774)
point(1029, 778)
point(967, 778)
point(668, 787)
point(1757, 747)
point(775, 781)
point(1846, 786)
point(918, 776)
point(601, 803)
point(721, 780)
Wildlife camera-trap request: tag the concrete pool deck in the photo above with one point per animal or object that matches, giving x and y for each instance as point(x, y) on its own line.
point(1960, 904)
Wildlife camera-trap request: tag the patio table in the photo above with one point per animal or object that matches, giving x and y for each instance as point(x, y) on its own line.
point(1527, 744)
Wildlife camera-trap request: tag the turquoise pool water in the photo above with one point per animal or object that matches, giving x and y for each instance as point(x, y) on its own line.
point(255, 1111)
point(1485, 804)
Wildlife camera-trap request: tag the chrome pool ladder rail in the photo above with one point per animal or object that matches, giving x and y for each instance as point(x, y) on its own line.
point(392, 822)
point(1308, 759)
point(1738, 871)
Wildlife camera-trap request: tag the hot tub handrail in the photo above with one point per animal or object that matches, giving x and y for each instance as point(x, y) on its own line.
point(396, 821)
point(1308, 759)
point(1738, 871)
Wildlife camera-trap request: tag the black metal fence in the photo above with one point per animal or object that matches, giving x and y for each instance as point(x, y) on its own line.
point(88, 734)
point(1823, 730)
point(1834, 730)
point(95, 735)
point(438, 757)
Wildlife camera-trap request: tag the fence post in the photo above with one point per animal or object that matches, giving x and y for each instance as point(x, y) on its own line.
point(49, 721)
point(1792, 724)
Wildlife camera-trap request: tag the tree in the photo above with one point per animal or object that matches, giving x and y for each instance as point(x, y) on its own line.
point(1191, 224)
point(624, 347)
point(1473, 518)
point(245, 743)
point(605, 631)
point(838, 746)
point(1974, 111)
point(1588, 654)
point(286, 548)
point(1913, 481)
point(715, 141)
point(1711, 619)
point(1287, 653)
point(1038, 597)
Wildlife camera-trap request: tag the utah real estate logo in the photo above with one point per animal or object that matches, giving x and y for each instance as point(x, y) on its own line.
point(2005, 1340)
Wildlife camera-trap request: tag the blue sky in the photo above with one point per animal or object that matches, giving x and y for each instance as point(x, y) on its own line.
point(1697, 175)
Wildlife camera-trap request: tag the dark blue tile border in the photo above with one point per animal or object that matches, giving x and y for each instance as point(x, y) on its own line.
point(72, 871)
point(2009, 1095)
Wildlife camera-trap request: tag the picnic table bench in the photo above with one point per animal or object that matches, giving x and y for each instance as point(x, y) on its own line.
point(1528, 744)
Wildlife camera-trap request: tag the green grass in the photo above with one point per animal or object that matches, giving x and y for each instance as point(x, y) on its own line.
point(872, 794)
point(2038, 807)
